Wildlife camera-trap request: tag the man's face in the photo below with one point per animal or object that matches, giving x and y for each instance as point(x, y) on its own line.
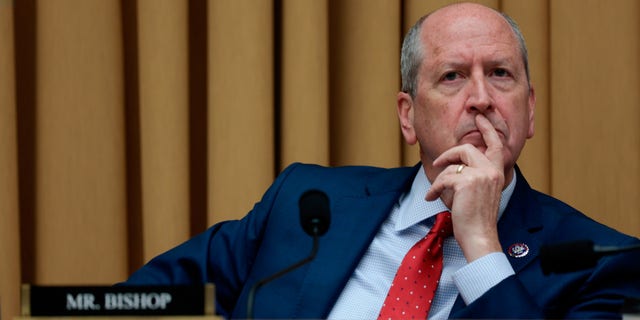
point(471, 64)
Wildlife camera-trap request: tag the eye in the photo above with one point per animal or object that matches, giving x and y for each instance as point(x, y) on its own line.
point(500, 72)
point(450, 76)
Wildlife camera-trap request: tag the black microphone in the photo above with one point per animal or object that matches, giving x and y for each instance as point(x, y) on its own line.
point(576, 255)
point(315, 218)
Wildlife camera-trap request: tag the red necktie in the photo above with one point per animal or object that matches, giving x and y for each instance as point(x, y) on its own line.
point(416, 280)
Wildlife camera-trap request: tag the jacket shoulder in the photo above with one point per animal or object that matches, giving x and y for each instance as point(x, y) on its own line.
point(351, 180)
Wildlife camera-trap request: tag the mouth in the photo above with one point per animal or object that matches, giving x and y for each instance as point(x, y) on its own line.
point(475, 138)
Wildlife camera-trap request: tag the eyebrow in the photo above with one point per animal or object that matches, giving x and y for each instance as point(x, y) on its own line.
point(455, 64)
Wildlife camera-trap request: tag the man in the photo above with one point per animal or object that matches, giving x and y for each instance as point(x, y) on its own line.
point(468, 103)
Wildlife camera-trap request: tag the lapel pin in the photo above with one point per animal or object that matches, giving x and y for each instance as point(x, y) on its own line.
point(518, 250)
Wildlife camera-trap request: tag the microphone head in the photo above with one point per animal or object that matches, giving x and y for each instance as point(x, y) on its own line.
point(567, 257)
point(314, 212)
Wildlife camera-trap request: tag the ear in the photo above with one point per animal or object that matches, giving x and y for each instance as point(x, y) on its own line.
point(405, 115)
point(532, 107)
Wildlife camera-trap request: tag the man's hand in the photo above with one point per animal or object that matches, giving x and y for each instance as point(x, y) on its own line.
point(473, 194)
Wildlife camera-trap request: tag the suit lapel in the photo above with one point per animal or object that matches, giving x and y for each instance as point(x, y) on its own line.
point(519, 226)
point(356, 219)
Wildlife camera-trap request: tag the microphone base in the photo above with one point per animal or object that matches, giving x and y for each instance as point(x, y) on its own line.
point(631, 309)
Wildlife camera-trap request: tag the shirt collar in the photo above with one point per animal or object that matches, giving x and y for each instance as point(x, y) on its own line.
point(413, 208)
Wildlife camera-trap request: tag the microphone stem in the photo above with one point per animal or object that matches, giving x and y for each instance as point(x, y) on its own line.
point(278, 274)
point(614, 249)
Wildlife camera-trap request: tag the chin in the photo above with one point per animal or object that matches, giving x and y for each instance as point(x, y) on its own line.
point(478, 143)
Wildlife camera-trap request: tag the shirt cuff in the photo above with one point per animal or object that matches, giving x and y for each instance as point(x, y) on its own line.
point(477, 277)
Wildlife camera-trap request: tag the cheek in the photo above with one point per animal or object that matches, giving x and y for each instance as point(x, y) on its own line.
point(520, 128)
point(435, 112)
point(430, 122)
point(437, 118)
point(435, 132)
point(516, 113)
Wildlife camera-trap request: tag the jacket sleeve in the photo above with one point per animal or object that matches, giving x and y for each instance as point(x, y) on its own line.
point(597, 293)
point(222, 255)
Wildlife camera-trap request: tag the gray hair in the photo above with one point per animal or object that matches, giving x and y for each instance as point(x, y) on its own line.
point(413, 52)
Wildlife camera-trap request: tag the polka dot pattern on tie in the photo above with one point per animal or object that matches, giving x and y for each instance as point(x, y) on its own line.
point(417, 278)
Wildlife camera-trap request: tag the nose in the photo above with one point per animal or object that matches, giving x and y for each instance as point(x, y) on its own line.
point(478, 99)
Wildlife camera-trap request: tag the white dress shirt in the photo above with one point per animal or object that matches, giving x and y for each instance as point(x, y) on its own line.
point(410, 219)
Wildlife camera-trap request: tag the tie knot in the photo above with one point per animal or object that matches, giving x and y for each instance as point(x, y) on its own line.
point(443, 225)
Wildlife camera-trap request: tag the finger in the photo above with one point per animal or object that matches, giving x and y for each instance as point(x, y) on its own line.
point(433, 193)
point(442, 182)
point(436, 189)
point(464, 154)
point(445, 195)
point(491, 139)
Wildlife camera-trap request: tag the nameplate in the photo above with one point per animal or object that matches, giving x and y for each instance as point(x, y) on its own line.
point(117, 301)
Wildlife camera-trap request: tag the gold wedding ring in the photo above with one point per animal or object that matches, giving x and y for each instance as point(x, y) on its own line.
point(460, 168)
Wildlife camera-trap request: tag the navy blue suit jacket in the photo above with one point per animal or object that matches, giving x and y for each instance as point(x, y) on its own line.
point(235, 254)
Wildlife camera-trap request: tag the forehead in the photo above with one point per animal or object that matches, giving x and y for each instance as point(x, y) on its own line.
point(463, 31)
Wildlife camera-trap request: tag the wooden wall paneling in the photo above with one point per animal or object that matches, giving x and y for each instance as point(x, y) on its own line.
point(304, 82)
point(9, 220)
point(364, 81)
point(241, 114)
point(595, 58)
point(164, 123)
point(80, 233)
